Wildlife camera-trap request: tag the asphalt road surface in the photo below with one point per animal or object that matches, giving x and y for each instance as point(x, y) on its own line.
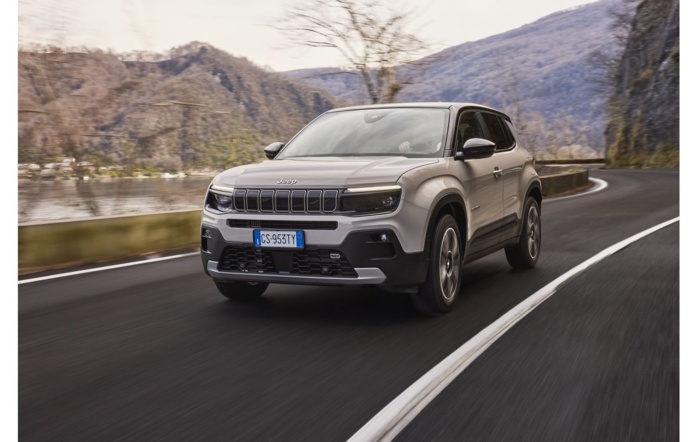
point(153, 352)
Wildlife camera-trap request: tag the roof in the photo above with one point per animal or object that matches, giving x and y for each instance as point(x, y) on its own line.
point(434, 105)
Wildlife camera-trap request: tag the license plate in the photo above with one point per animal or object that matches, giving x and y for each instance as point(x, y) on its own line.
point(284, 239)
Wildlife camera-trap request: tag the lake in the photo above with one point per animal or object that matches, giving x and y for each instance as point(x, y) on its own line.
point(64, 199)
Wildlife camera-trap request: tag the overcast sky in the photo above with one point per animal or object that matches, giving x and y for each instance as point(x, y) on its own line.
point(240, 26)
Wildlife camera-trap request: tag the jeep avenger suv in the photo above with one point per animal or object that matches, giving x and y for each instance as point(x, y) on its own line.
point(399, 195)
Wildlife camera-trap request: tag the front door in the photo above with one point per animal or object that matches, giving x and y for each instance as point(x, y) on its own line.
point(483, 179)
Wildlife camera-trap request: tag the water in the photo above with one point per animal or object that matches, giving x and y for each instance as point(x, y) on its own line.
point(58, 199)
point(62, 199)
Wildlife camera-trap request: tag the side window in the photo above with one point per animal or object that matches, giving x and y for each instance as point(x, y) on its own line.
point(468, 127)
point(502, 139)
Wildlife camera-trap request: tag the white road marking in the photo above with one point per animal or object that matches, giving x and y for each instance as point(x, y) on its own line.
point(403, 409)
point(598, 187)
point(100, 269)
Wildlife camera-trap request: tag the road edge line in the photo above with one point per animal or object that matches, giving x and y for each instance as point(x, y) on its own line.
point(100, 269)
point(395, 416)
point(598, 187)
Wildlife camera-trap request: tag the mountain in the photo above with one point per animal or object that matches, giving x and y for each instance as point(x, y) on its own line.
point(643, 130)
point(197, 107)
point(538, 73)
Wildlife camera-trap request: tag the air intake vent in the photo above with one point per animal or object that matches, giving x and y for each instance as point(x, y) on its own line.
point(320, 262)
point(273, 224)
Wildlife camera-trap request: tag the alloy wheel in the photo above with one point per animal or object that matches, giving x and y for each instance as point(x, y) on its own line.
point(533, 232)
point(449, 265)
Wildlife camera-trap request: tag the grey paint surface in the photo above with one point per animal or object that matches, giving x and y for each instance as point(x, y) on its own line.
point(487, 198)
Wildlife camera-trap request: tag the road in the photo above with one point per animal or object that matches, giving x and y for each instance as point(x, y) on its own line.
point(153, 352)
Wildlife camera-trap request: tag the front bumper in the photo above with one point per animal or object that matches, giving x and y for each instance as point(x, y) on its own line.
point(373, 257)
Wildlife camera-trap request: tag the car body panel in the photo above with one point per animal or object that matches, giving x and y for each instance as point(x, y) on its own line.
point(491, 192)
point(324, 172)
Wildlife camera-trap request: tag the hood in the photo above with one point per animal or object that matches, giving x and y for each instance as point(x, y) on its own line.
point(321, 172)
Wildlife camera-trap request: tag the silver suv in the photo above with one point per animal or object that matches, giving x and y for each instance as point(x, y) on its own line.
point(399, 195)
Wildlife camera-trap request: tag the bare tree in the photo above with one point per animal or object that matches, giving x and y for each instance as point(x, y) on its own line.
point(544, 138)
point(604, 63)
point(372, 37)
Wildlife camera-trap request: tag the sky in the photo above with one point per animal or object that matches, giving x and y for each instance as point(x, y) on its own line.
point(241, 27)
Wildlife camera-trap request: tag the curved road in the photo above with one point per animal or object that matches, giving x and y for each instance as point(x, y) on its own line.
point(153, 352)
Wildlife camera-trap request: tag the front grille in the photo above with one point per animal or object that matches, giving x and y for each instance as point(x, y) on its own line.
point(246, 259)
point(318, 262)
point(286, 200)
point(278, 224)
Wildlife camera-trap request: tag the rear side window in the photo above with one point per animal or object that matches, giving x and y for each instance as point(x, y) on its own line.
point(498, 132)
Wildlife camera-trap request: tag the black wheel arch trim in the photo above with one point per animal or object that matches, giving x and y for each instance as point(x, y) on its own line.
point(536, 184)
point(433, 218)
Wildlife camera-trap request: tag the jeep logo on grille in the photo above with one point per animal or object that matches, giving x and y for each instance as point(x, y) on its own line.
point(285, 181)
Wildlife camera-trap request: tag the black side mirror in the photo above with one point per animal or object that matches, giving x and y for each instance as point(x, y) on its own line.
point(476, 148)
point(273, 149)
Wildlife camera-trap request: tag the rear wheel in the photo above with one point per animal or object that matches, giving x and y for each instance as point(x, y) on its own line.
point(442, 285)
point(241, 291)
point(524, 255)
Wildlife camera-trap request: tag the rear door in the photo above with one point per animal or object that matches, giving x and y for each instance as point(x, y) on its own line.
point(510, 163)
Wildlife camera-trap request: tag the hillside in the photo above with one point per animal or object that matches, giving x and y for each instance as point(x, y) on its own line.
point(644, 127)
point(201, 107)
point(539, 73)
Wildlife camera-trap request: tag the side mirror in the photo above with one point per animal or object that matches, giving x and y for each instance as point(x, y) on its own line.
point(273, 149)
point(476, 148)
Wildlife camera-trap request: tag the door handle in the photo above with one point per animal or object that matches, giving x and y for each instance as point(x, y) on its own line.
point(497, 172)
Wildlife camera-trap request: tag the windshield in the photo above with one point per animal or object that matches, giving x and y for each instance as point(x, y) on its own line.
point(398, 131)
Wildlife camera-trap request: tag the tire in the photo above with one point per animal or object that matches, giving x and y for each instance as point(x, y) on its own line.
point(524, 255)
point(242, 291)
point(440, 290)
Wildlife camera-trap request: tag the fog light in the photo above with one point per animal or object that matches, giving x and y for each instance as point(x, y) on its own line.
point(207, 234)
point(389, 201)
point(384, 237)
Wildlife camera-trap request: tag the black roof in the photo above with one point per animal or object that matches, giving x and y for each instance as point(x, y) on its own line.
point(434, 105)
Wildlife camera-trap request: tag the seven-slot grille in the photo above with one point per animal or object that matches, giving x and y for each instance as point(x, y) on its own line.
point(286, 200)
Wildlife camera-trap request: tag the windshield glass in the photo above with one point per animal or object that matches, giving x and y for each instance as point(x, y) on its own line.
point(398, 131)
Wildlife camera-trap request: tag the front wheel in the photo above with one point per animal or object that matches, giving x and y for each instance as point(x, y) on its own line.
point(241, 291)
point(524, 255)
point(442, 285)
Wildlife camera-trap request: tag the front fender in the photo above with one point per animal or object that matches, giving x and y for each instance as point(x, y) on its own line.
point(433, 194)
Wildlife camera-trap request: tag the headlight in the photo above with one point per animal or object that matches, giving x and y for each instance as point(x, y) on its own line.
point(220, 199)
point(370, 199)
